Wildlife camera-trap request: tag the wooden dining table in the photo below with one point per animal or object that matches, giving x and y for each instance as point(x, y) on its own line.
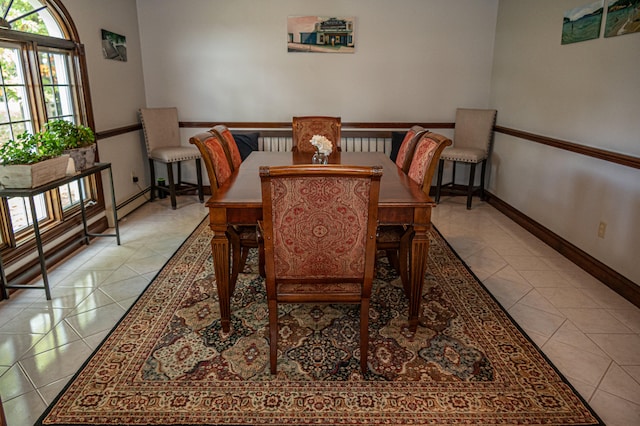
point(239, 202)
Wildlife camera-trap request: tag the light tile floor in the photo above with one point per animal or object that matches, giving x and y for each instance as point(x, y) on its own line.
point(589, 332)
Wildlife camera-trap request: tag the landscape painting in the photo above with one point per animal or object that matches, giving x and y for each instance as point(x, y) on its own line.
point(623, 17)
point(320, 34)
point(582, 23)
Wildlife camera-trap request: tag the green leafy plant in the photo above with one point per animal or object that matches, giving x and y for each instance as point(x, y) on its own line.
point(70, 135)
point(29, 148)
point(56, 137)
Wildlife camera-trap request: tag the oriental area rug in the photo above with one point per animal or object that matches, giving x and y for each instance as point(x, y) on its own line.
point(168, 362)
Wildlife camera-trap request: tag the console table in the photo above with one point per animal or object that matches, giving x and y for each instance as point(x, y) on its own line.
point(30, 193)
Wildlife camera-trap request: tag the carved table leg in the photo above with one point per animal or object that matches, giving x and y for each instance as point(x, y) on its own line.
point(220, 252)
point(418, 259)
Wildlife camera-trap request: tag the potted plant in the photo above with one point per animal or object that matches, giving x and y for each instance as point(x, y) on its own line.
point(32, 160)
point(77, 140)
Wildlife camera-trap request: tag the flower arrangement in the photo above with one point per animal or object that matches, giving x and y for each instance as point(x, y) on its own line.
point(322, 144)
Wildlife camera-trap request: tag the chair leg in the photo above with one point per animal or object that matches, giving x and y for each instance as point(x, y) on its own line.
point(152, 173)
point(472, 175)
point(244, 253)
point(172, 184)
point(364, 334)
point(261, 255)
point(392, 256)
point(453, 173)
point(199, 177)
point(439, 181)
point(482, 173)
point(273, 335)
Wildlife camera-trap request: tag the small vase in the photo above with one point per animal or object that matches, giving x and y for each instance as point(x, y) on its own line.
point(319, 158)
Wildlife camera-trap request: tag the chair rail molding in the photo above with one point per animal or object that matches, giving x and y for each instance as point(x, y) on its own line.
point(610, 156)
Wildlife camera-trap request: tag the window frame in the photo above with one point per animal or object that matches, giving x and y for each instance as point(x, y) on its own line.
point(61, 222)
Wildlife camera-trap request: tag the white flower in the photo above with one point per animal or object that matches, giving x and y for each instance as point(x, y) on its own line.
point(322, 144)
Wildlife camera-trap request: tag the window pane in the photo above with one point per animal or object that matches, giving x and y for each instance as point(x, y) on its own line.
point(18, 209)
point(15, 112)
point(4, 112)
point(21, 212)
point(21, 127)
point(18, 103)
point(70, 195)
point(11, 67)
point(56, 88)
point(30, 16)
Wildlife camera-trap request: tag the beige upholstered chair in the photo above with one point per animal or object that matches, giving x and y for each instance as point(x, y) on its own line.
point(305, 127)
point(396, 239)
point(472, 141)
point(162, 139)
point(242, 237)
point(323, 250)
point(408, 146)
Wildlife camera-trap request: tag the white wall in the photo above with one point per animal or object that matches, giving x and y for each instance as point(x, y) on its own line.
point(586, 92)
point(227, 60)
point(117, 88)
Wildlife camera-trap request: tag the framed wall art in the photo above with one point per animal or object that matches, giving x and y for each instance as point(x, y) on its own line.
point(320, 34)
point(114, 46)
point(582, 23)
point(623, 17)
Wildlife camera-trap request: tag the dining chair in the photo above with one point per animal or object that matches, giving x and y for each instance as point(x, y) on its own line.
point(229, 142)
point(305, 127)
point(395, 240)
point(162, 140)
point(319, 227)
point(408, 146)
point(219, 170)
point(472, 142)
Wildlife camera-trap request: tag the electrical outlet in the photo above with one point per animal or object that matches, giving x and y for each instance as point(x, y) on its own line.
point(602, 229)
point(134, 178)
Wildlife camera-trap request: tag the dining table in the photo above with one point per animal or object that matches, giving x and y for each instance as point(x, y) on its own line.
point(239, 202)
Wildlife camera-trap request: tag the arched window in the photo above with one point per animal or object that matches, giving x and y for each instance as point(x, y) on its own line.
point(42, 73)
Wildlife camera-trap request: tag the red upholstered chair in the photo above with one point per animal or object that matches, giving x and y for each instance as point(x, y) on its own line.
point(225, 136)
point(408, 146)
point(396, 239)
point(473, 136)
point(162, 139)
point(219, 169)
point(425, 158)
point(305, 127)
point(319, 227)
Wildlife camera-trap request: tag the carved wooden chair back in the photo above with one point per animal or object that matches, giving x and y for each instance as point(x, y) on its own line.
point(229, 143)
point(305, 127)
point(408, 146)
point(319, 228)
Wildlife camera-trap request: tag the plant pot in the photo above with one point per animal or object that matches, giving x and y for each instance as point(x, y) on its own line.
point(33, 175)
point(84, 157)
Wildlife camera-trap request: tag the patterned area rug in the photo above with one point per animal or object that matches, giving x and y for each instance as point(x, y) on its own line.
point(168, 362)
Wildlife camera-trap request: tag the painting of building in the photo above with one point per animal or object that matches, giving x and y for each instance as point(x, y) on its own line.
point(320, 34)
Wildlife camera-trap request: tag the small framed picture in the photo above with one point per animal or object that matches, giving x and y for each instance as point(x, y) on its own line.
point(320, 34)
point(582, 23)
point(114, 46)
